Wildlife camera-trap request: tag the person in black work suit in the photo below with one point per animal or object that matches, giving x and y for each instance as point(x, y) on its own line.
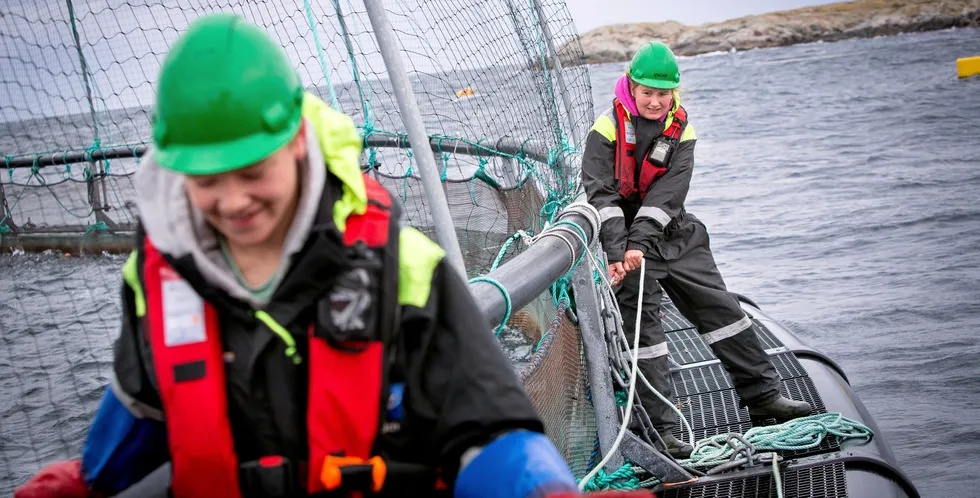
point(636, 170)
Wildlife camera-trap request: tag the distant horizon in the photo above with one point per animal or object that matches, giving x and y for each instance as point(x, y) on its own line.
point(589, 14)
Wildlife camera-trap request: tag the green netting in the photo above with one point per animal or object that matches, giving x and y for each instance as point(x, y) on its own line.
point(77, 85)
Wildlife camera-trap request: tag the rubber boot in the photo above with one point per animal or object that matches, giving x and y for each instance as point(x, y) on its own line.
point(781, 409)
point(675, 447)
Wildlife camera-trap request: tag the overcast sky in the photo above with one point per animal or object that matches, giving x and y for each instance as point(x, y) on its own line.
point(590, 14)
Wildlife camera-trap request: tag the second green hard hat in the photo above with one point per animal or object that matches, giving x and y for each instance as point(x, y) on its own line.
point(655, 66)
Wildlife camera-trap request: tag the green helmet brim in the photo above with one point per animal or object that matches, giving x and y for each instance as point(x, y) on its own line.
point(211, 159)
point(656, 83)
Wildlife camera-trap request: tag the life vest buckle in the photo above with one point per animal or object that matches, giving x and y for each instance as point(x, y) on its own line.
point(268, 476)
point(353, 473)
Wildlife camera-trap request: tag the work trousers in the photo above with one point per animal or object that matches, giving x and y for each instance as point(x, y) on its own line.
point(683, 266)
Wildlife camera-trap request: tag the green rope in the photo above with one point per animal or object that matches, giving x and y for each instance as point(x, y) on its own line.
point(94, 227)
point(445, 165)
point(506, 294)
point(623, 478)
point(559, 133)
point(353, 60)
point(797, 434)
point(320, 55)
point(91, 230)
point(84, 63)
point(559, 289)
point(408, 174)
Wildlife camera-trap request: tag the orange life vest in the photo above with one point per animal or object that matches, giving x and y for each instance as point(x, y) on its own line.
point(626, 170)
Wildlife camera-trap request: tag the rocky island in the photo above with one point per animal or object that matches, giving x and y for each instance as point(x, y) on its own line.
point(831, 22)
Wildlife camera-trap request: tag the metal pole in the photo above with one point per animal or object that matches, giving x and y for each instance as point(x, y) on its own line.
point(93, 185)
point(510, 171)
point(518, 27)
point(6, 217)
point(590, 322)
point(345, 33)
point(533, 59)
point(556, 66)
point(412, 117)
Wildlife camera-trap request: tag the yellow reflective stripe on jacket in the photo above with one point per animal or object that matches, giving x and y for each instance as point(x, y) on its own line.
point(605, 126)
point(132, 278)
point(418, 256)
point(689, 133)
point(341, 147)
point(670, 115)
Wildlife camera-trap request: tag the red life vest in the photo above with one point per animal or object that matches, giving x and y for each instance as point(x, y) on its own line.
point(626, 170)
point(344, 384)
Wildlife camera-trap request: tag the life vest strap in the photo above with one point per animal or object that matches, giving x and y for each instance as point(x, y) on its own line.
point(276, 476)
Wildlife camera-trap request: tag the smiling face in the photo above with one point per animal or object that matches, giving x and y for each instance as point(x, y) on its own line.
point(252, 206)
point(652, 103)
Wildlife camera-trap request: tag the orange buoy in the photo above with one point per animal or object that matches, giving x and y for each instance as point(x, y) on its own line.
point(466, 92)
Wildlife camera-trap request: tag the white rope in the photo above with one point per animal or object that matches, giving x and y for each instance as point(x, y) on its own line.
point(680, 416)
point(611, 294)
point(629, 403)
point(622, 335)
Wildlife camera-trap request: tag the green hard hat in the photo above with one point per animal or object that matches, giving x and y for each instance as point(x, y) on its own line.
point(654, 66)
point(227, 97)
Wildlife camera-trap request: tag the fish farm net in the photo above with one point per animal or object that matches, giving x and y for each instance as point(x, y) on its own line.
point(502, 100)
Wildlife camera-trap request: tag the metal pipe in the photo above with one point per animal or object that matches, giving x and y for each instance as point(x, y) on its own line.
point(592, 326)
point(345, 33)
point(552, 111)
point(531, 272)
point(510, 171)
point(79, 156)
point(504, 148)
point(412, 117)
point(81, 60)
point(556, 65)
point(518, 28)
point(6, 216)
point(95, 198)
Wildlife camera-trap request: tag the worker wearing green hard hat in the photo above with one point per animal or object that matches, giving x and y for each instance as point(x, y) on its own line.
point(224, 102)
point(655, 66)
point(636, 170)
point(282, 333)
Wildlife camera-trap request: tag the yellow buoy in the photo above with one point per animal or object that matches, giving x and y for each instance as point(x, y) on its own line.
point(968, 66)
point(466, 92)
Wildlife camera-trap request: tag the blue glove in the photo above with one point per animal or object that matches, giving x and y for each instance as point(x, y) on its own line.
point(519, 464)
